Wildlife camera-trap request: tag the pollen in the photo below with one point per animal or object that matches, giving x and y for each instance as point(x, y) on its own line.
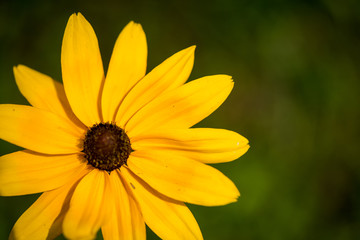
point(106, 146)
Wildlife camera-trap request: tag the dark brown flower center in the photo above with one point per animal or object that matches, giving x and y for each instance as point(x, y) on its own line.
point(106, 146)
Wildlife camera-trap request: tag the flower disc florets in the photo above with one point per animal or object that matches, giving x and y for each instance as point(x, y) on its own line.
point(106, 146)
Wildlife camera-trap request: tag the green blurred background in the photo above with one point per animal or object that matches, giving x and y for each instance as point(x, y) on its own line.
point(296, 98)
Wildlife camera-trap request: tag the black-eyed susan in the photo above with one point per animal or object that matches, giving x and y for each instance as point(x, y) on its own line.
point(115, 152)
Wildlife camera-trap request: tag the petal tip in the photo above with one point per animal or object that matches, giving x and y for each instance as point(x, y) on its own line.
point(76, 17)
point(133, 23)
point(17, 72)
point(245, 148)
point(79, 15)
point(191, 48)
point(15, 69)
point(230, 78)
point(133, 31)
point(236, 196)
point(20, 68)
point(241, 141)
point(72, 16)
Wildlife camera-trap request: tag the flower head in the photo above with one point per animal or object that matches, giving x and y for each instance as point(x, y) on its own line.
point(116, 152)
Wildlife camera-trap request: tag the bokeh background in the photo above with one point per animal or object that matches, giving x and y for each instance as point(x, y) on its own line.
point(296, 98)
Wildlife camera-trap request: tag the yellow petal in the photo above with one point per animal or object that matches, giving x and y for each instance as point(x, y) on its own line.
point(168, 218)
point(125, 221)
point(38, 130)
point(27, 172)
point(43, 92)
point(202, 144)
point(82, 69)
point(183, 107)
point(127, 66)
point(86, 212)
point(44, 218)
point(170, 74)
point(183, 179)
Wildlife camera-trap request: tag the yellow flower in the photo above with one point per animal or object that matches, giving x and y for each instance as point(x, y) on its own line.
point(115, 153)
